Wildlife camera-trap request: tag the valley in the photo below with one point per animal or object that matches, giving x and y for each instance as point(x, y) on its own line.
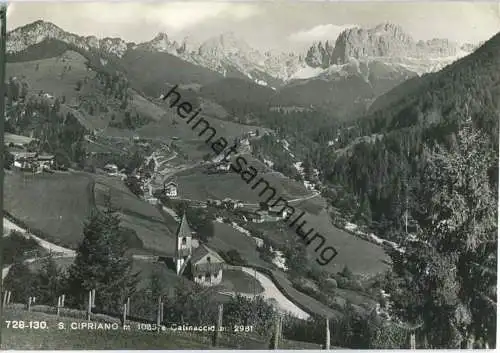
point(363, 134)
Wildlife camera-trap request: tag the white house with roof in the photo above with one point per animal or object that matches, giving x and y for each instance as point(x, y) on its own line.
point(170, 189)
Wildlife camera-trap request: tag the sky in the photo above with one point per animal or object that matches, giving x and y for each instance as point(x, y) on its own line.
point(282, 25)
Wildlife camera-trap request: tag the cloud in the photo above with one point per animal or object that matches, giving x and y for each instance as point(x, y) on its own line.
point(131, 20)
point(320, 32)
point(174, 16)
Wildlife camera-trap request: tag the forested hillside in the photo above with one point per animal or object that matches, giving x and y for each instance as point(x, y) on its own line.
point(378, 158)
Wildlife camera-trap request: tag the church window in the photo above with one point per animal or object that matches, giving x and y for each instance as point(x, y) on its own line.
point(183, 241)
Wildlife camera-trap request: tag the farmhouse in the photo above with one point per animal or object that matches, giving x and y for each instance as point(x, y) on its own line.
point(259, 216)
point(203, 265)
point(206, 266)
point(271, 214)
point(232, 204)
point(170, 189)
point(24, 160)
point(278, 212)
point(111, 168)
point(46, 161)
point(223, 167)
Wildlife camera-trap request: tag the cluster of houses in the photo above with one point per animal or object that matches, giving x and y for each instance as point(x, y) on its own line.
point(227, 203)
point(262, 214)
point(33, 161)
point(271, 214)
point(22, 150)
point(219, 167)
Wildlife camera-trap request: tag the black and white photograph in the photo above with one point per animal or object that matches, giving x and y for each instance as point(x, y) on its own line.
point(236, 175)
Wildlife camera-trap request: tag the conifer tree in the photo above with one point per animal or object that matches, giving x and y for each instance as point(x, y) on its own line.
point(102, 263)
point(448, 277)
point(51, 279)
point(21, 281)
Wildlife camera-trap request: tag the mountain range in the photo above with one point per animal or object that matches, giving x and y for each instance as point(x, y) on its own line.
point(368, 61)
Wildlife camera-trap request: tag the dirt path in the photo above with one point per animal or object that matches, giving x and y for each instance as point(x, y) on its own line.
point(56, 250)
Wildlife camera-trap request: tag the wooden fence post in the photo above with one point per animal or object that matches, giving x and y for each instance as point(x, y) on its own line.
point(412, 340)
point(277, 324)
point(59, 299)
point(218, 326)
point(4, 301)
point(470, 341)
point(125, 308)
point(8, 297)
point(327, 340)
point(158, 314)
point(29, 303)
point(93, 298)
point(89, 305)
point(128, 306)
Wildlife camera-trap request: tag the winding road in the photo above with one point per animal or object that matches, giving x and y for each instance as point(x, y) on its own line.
point(271, 292)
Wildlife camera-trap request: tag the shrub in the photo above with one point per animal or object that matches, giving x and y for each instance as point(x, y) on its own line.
point(331, 283)
point(233, 257)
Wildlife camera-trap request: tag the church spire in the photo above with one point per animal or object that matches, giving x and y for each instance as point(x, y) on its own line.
point(183, 251)
point(183, 230)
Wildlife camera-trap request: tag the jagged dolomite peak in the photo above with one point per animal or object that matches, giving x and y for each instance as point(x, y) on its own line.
point(382, 41)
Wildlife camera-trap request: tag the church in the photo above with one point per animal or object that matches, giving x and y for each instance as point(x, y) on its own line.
point(200, 263)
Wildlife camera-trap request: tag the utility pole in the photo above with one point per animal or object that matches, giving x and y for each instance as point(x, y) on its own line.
point(3, 64)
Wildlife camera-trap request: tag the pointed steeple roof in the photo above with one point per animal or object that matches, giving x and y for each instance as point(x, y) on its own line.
point(183, 230)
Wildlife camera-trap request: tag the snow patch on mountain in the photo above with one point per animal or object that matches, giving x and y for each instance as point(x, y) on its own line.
point(306, 72)
point(385, 43)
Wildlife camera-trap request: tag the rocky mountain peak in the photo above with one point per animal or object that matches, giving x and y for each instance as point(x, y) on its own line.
point(160, 43)
point(161, 36)
point(224, 44)
point(36, 32)
point(386, 40)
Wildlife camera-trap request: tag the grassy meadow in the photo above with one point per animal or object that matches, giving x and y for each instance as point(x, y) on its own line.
point(55, 204)
point(54, 339)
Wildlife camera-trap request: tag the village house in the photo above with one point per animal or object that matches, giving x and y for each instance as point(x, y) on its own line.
point(215, 203)
point(201, 264)
point(232, 204)
point(46, 161)
point(111, 168)
point(272, 214)
point(206, 266)
point(24, 160)
point(279, 212)
point(223, 167)
point(259, 216)
point(170, 189)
